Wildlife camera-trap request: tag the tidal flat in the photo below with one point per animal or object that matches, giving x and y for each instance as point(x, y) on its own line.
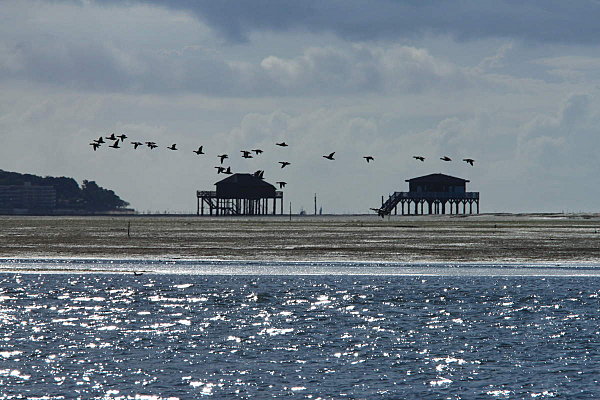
point(497, 238)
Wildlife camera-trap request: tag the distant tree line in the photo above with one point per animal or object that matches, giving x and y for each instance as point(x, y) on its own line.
point(89, 197)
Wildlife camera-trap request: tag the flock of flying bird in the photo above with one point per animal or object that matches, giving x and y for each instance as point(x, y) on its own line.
point(116, 139)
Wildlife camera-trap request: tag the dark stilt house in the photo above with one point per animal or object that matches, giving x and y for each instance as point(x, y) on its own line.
point(441, 193)
point(240, 194)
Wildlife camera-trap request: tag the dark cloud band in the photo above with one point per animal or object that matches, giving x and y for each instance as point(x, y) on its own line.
point(555, 21)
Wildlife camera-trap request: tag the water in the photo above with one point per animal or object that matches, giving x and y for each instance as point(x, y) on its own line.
point(282, 335)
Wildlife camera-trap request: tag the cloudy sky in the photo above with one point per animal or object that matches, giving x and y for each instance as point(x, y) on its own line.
point(512, 84)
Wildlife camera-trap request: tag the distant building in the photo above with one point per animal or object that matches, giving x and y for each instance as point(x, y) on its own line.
point(439, 192)
point(240, 194)
point(27, 199)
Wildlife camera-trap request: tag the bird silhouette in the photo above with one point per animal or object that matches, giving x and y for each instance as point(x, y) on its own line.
point(220, 169)
point(284, 164)
point(282, 144)
point(257, 151)
point(111, 137)
point(199, 151)
point(369, 158)
point(380, 212)
point(172, 147)
point(228, 171)
point(259, 174)
point(281, 184)
point(152, 145)
point(122, 137)
point(136, 144)
point(445, 158)
point(246, 154)
point(222, 157)
point(95, 145)
point(469, 161)
point(99, 140)
point(420, 158)
point(115, 145)
point(330, 156)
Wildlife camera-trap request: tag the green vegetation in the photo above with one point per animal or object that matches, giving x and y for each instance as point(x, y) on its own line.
point(69, 195)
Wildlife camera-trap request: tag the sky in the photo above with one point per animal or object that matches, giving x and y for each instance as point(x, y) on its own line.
point(514, 85)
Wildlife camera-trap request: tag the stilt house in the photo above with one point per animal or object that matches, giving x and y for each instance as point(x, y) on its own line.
point(441, 193)
point(240, 194)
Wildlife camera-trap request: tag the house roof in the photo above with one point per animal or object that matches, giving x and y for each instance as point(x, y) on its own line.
point(245, 180)
point(438, 178)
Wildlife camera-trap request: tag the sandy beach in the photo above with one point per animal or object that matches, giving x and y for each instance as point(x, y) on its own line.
point(536, 238)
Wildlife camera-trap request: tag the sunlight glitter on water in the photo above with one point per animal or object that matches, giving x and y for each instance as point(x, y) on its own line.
point(180, 336)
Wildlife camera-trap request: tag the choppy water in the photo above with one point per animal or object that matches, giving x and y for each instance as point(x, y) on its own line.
point(356, 336)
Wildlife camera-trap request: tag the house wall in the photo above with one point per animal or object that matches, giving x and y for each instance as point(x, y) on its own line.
point(437, 187)
point(236, 191)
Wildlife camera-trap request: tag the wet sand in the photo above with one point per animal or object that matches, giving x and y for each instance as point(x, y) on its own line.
point(527, 238)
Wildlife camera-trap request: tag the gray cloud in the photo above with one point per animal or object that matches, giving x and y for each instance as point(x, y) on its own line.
point(537, 21)
point(564, 143)
point(107, 67)
point(98, 66)
point(75, 65)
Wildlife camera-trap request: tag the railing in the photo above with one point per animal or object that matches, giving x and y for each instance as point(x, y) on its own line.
point(213, 194)
point(436, 195)
point(397, 197)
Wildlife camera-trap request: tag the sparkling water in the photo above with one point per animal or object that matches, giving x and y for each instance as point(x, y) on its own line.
point(293, 330)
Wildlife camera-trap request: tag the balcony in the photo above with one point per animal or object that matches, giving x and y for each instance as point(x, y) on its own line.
point(436, 195)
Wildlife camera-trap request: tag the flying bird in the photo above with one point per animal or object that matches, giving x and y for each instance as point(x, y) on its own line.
point(115, 145)
point(284, 164)
point(469, 161)
point(228, 171)
point(220, 169)
point(420, 158)
point(95, 145)
point(122, 137)
point(99, 140)
point(222, 157)
point(172, 147)
point(112, 137)
point(136, 144)
point(199, 151)
point(246, 154)
point(330, 156)
point(152, 145)
point(259, 174)
point(281, 184)
point(257, 151)
point(445, 158)
point(282, 144)
point(369, 158)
